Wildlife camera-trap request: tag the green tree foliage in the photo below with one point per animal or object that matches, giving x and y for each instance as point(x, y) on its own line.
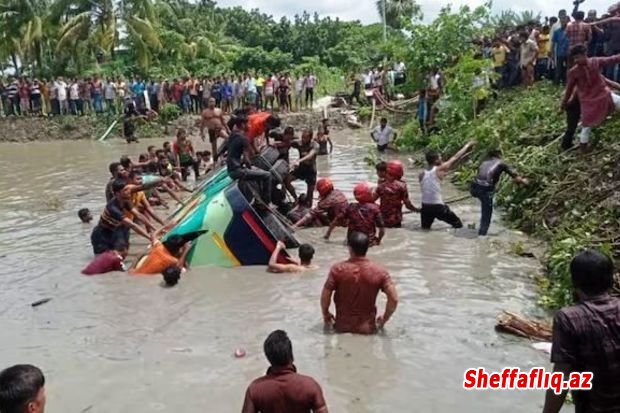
point(182, 37)
point(398, 11)
point(178, 37)
point(23, 23)
point(439, 44)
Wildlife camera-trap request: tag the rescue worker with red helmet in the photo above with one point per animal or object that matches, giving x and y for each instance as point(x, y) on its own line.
point(332, 202)
point(393, 194)
point(362, 216)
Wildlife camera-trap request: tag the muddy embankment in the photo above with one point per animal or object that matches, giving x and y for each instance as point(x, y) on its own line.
point(31, 129)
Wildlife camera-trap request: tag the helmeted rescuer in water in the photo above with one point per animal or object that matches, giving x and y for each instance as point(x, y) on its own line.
point(362, 216)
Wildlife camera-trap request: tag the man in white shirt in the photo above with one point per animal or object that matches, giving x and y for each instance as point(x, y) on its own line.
point(529, 51)
point(383, 135)
point(61, 90)
point(310, 83)
point(299, 92)
point(368, 80)
point(74, 97)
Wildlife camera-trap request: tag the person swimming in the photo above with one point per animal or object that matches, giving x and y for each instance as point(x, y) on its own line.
point(306, 253)
point(171, 275)
point(112, 260)
point(85, 215)
point(171, 252)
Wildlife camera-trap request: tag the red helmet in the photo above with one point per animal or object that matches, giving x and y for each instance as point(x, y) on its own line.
point(363, 193)
point(395, 169)
point(324, 186)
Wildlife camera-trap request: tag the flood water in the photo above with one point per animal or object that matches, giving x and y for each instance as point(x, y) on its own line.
point(115, 343)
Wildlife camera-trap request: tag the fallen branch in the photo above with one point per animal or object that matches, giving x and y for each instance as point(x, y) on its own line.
point(518, 325)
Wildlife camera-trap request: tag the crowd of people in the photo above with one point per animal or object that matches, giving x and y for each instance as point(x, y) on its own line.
point(541, 50)
point(238, 119)
point(26, 96)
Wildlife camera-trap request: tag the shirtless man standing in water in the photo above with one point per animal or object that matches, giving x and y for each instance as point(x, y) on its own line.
point(213, 120)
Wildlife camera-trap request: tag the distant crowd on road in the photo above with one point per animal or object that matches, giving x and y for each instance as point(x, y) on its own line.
point(26, 96)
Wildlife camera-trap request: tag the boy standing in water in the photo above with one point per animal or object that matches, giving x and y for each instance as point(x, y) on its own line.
point(433, 206)
point(185, 155)
point(114, 225)
point(322, 138)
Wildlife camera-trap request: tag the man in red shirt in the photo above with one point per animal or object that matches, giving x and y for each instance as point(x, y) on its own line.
point(108, 261)
point(361, 216)
point(332, 202)
point(355, 284)
point(282, 390)
point(393, 194)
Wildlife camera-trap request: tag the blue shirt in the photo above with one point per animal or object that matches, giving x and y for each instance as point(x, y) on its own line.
point(216, 89)
point(227, 90)
point(138, 88)
point(560, 43)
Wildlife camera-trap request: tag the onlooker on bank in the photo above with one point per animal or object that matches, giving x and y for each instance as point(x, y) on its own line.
point(586, 336)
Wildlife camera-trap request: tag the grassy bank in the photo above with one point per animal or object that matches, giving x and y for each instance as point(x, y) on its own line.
point(572, 202)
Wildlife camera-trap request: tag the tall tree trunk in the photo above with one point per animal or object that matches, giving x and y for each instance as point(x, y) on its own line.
point(15, 65)
point(39, 58)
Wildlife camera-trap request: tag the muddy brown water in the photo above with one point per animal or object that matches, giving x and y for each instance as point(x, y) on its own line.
point(116, 343)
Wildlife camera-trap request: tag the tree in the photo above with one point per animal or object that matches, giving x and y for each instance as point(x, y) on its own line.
point(506, 18)
point(89, 25)
point(398, 10)
point(441, 43)
point(189, 32)
point(23, 24)
point(526, 17)
point(95, 24)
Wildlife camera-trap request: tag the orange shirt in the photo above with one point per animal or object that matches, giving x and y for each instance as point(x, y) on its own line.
point(155, 262)
point(256, 124)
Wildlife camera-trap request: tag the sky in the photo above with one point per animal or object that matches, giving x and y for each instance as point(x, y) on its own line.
point(366, 11)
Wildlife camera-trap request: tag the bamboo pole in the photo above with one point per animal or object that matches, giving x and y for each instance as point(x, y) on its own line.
point(374, 107)
point(107, 132)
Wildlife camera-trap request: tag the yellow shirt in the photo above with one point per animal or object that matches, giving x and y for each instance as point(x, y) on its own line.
point(544, 45)
point(499, 55)
point(260, 81)
point(137, 201)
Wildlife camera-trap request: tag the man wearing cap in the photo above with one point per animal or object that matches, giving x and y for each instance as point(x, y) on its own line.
point(393, 194)
point(362, 216)
point(332, 202)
